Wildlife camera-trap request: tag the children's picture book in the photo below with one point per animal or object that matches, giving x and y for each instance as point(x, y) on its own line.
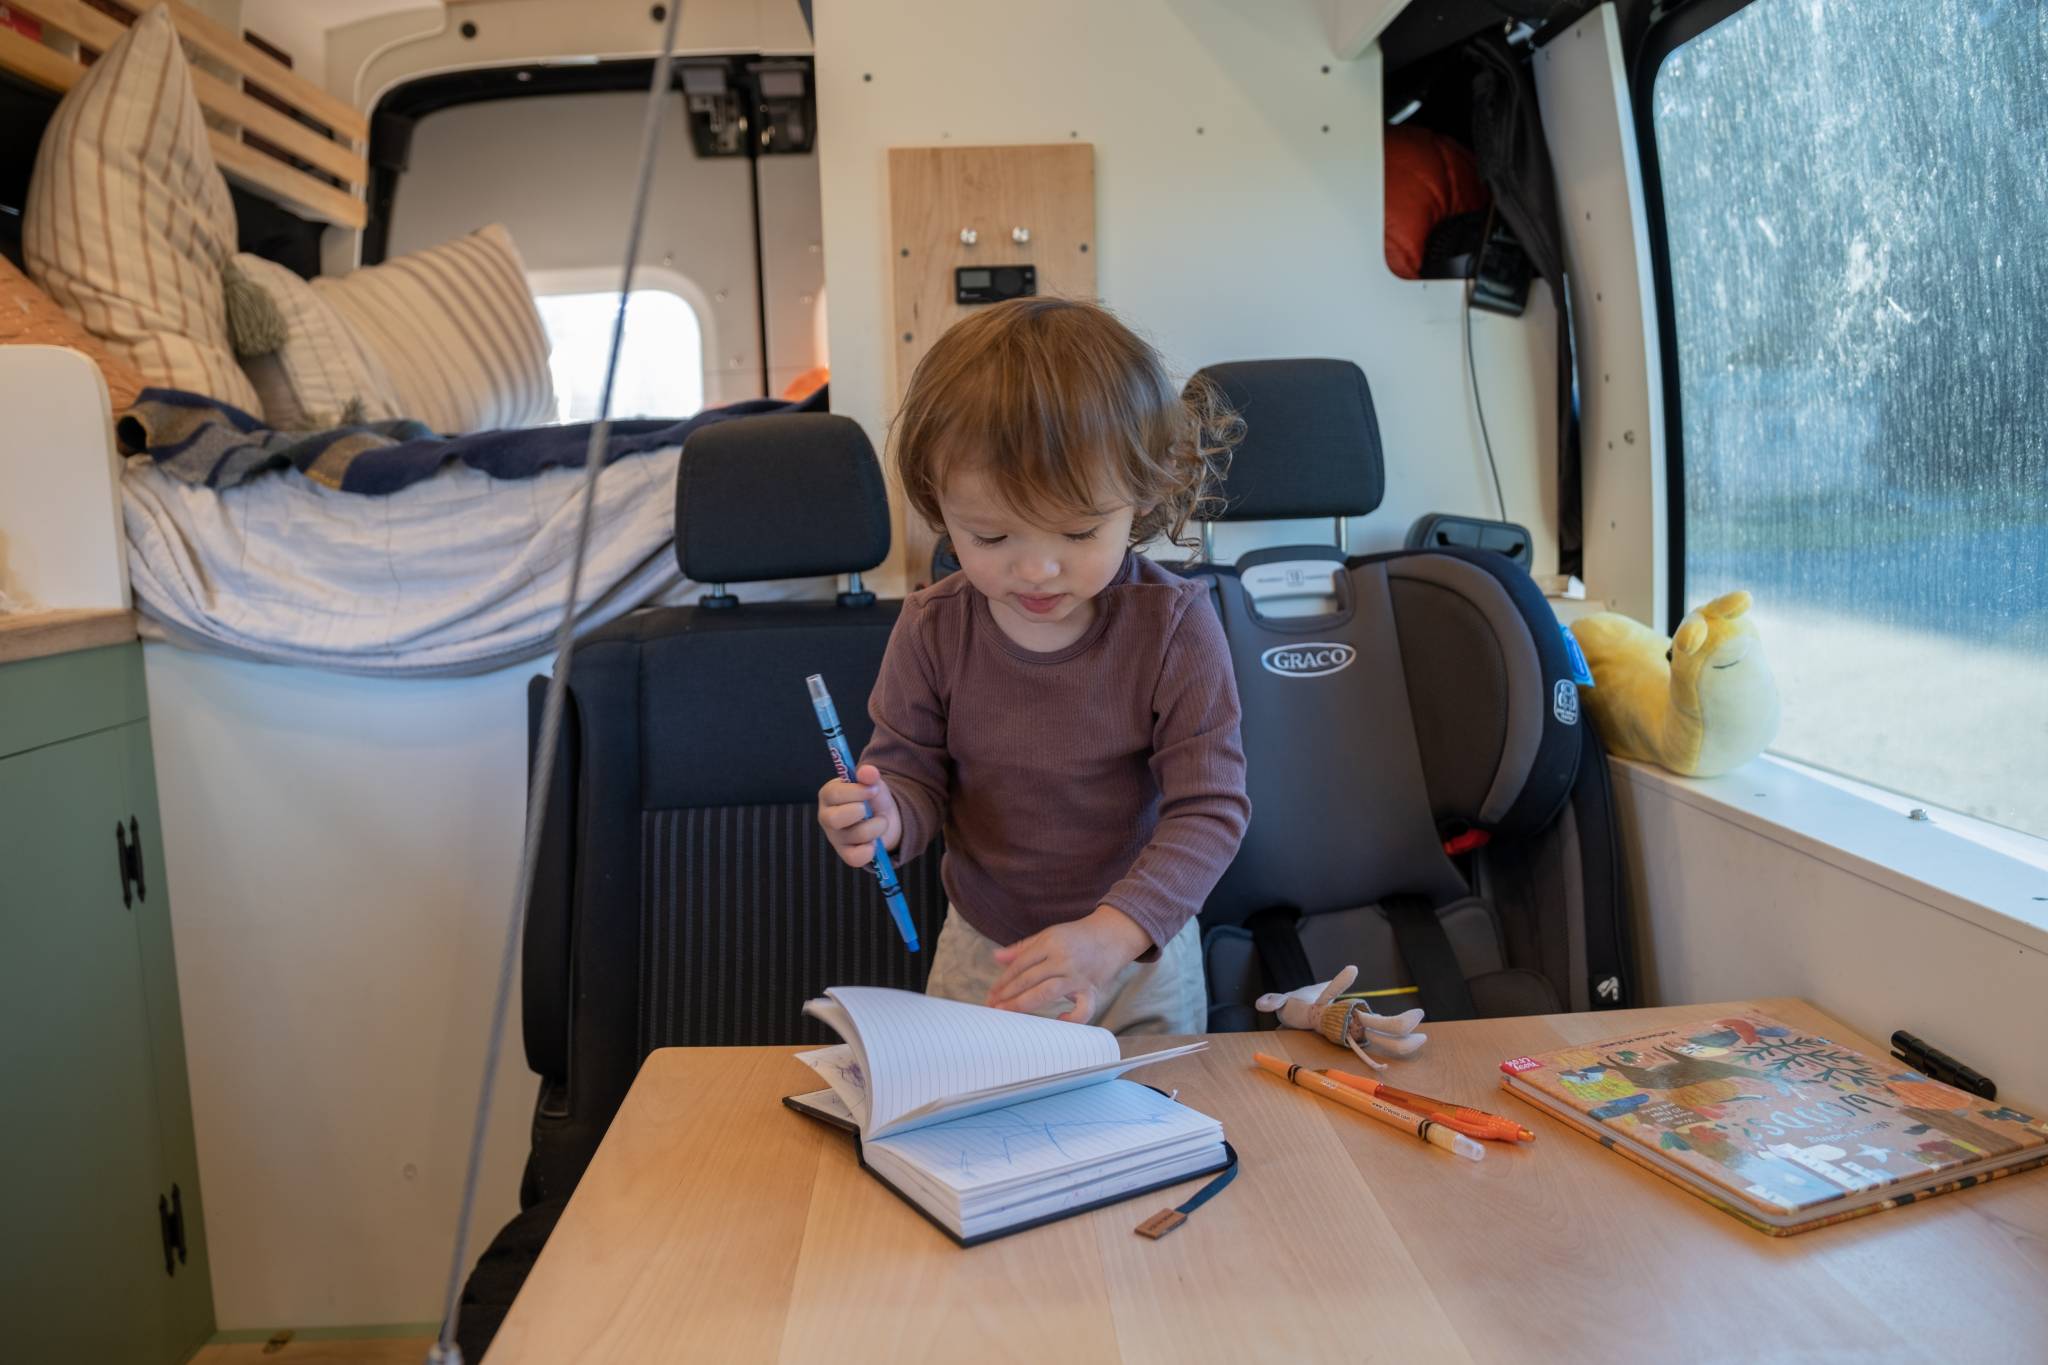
point(989, 1121)
point(1787, 1130)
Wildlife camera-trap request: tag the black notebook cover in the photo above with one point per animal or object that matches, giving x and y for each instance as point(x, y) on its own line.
point(860, 1154)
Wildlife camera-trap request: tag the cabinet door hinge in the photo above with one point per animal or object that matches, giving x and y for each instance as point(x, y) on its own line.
point(128, 850)
point(170, 1214)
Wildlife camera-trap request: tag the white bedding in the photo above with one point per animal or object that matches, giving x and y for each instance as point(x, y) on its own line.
point(460, 573)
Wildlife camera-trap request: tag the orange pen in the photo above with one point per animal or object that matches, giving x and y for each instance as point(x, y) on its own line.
point(1456, 1117)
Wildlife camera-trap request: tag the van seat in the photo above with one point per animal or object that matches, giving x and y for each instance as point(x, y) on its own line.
point(684, 894)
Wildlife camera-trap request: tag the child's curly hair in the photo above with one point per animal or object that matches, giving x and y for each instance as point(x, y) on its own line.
point(1068, 412)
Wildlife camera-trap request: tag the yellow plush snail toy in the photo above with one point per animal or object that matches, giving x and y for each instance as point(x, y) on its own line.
point(1701, 703)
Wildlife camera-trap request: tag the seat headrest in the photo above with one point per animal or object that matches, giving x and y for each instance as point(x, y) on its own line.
point(780, 495)
point(1311, 444)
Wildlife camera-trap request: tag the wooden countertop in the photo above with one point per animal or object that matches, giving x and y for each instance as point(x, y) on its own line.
point(34, 634)
point(716, 1225)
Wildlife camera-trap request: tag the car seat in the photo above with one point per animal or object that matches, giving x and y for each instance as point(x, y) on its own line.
point(1427, 803)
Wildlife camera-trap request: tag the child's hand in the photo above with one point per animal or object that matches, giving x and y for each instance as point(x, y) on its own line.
point(853, 833)
point(1078, 959)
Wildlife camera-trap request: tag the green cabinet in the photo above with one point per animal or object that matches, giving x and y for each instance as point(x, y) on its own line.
point(105, 1257)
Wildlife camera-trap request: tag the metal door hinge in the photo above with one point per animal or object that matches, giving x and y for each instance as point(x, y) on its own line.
point(170, 1214)
point(128, 847)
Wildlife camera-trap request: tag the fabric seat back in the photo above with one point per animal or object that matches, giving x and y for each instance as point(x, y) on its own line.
point(687, 896)
point(684, 894)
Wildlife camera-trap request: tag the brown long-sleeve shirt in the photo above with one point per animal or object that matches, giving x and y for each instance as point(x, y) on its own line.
point(1106, 773)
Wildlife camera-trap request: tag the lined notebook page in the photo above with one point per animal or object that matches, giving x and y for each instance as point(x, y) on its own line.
point(840, 1069)
point(1064, 1132)
point(920, 1049)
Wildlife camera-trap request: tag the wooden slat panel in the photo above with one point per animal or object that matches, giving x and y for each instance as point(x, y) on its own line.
point(29, 59)
point(224, 47)
point(267, 123)
point(98, 31)
point(294, 189)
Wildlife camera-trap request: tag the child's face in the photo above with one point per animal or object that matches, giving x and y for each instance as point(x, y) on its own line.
point(1040, 581)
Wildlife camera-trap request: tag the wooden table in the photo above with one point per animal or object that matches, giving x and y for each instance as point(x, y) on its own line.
point(716, 1225)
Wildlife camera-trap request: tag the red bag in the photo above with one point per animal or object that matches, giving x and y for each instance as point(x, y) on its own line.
point(1429, 178)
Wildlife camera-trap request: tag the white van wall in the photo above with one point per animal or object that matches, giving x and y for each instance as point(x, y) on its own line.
point(558, 171)
point(341, 853)
point(1239, 216)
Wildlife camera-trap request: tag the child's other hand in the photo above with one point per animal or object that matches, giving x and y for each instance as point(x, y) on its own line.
point(852, 832)
point(1078, 960)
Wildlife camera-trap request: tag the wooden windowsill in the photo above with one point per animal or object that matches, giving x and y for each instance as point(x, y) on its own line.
point(34, 634)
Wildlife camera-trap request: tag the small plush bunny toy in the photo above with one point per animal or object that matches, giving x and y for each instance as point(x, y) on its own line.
point(1349, 1023)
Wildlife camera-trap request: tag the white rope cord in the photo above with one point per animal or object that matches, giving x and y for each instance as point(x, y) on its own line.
point(445, 1351)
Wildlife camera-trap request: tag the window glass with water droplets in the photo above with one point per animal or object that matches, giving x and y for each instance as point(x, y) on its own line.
point(1856, 206)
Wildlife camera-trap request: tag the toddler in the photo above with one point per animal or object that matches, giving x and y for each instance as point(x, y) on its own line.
point(1062, 708)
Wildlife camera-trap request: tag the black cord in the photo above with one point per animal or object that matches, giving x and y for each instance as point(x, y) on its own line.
point(760, 254)
point(1472, 366)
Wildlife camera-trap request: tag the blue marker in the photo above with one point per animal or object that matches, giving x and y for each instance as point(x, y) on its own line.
point(842, 759)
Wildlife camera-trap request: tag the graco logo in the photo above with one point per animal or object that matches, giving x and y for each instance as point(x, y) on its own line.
point(1564, 701)
point(1311, 660)
point(1609, 988)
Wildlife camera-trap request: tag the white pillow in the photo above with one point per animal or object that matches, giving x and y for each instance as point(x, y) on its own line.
point(128, 221)
point(324, 373)
point(456, 330)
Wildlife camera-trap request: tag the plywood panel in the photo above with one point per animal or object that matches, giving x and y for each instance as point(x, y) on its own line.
point(935, 192)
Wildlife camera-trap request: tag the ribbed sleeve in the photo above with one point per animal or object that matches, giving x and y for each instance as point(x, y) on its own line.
point(1198, 766)
point(909, 743)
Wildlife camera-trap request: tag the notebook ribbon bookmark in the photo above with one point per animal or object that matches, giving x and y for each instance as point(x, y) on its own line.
point(1166, 1220)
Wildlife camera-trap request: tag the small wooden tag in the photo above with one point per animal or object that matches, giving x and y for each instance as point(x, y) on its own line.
point(1161, 1223)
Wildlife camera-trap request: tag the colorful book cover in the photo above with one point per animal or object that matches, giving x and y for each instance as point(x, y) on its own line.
point(1786, 1129)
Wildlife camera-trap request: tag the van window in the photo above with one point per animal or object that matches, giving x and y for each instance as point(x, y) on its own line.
point(1856, 205)
point(661, 364)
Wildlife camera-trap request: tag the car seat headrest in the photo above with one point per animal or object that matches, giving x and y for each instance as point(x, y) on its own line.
point(781, 495)
point(1311, 445)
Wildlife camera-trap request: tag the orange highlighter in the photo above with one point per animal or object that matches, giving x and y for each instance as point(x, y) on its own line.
point(1456, 1117)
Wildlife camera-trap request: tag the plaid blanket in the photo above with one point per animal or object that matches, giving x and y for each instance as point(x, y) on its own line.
point(208, 443)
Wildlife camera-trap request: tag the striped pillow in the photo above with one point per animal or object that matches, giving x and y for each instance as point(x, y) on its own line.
point(324, 374)
point(455, 328)
point(128, 220)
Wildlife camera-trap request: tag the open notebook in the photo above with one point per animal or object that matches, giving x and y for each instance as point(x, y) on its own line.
point(988, 1121)
point(1781, 1127)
